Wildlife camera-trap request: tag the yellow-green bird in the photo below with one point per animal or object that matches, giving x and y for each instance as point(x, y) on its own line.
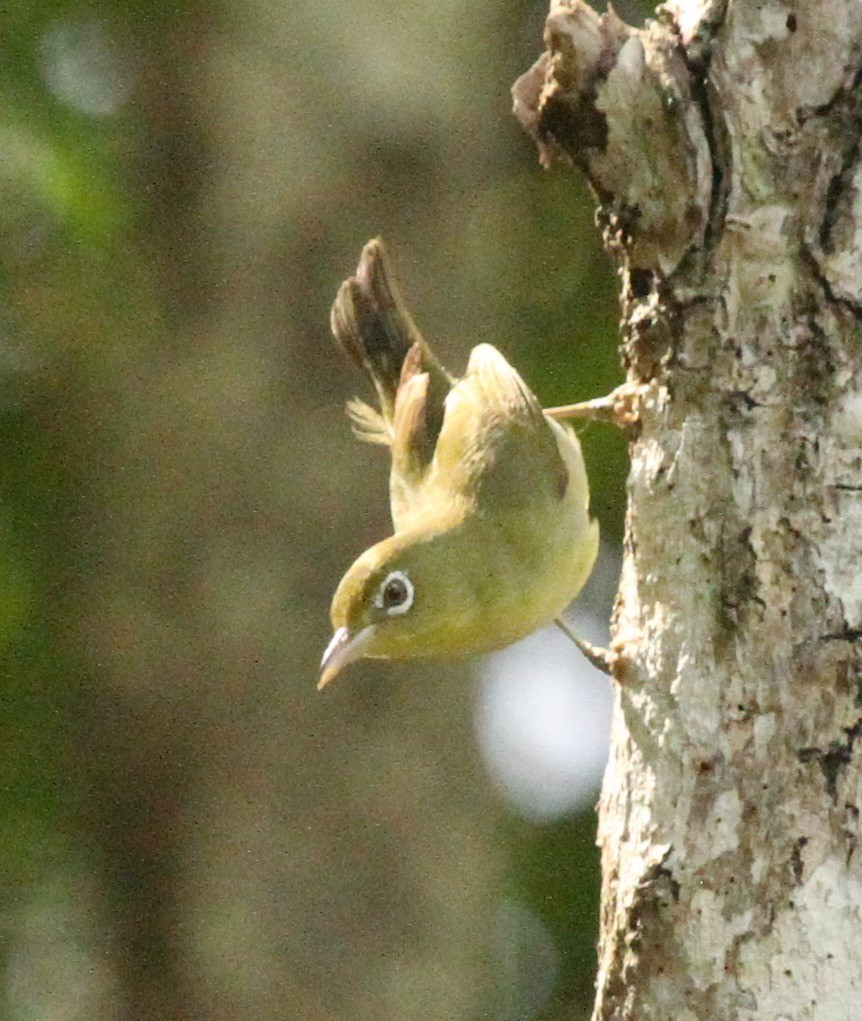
point(489, 495)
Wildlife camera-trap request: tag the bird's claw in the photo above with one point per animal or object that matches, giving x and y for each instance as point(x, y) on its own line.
point(602, 659)
point(621, 407)
point(605, 660)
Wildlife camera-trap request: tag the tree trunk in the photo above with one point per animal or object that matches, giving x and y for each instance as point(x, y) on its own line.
point(723, 143)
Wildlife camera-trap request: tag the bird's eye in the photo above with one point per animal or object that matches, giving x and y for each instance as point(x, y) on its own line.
point(395, 594)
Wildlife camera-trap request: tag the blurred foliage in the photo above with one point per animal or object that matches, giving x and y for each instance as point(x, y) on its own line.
point(188, 831)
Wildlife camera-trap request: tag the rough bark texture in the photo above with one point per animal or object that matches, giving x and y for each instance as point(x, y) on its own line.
point(724, 144)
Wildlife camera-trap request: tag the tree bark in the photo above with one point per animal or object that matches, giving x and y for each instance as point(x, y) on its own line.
point(723, 141)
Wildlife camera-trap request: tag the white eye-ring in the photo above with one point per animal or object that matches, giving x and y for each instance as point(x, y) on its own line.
point(395, 594)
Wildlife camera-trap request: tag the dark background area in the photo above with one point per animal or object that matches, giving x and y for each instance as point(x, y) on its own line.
point(189, 829)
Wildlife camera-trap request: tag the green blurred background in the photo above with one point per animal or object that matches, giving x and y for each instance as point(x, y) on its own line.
point(189, 829)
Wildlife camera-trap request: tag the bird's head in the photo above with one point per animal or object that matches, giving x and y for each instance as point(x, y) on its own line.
point(395, 602)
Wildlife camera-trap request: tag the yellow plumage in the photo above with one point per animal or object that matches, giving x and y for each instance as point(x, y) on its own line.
point(489, 496)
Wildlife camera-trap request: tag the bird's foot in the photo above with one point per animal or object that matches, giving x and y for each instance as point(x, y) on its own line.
point(621, 407)
point(602, 659)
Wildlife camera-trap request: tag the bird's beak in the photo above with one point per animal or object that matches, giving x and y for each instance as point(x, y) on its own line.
point(343, 649)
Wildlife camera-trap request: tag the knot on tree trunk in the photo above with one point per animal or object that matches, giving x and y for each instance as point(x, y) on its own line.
point(620, 103)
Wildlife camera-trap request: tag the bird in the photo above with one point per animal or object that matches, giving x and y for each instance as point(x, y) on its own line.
point(492, 534)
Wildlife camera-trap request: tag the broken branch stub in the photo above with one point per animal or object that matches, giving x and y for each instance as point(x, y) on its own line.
point(618, 103)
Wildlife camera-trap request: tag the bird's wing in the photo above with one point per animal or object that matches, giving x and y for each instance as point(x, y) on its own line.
point(496, 447)
point(500, 385)
point(410, 434)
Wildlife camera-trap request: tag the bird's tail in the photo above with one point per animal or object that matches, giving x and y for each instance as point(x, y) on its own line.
point(372, 325)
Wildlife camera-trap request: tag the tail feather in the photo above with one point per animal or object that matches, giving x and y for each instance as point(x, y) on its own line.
point(372, 325)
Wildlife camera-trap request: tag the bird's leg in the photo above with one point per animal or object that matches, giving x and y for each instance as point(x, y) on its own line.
point(619, 407)
point(602, 659)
